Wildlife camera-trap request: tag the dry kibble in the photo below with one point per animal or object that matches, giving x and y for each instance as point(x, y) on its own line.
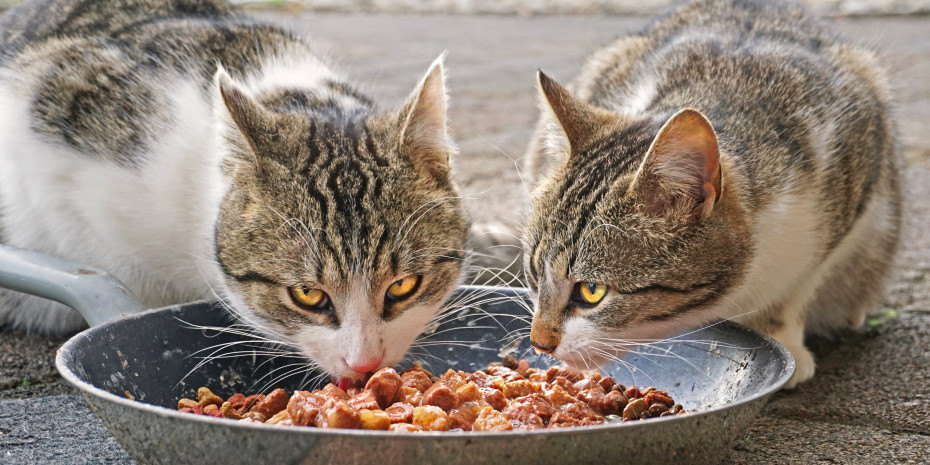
point(634, 409)
point(501, 398)
point(187, 403)
point(229, 412)
point(206, 397)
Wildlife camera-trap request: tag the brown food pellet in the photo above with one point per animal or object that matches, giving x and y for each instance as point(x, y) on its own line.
point(206, 397)
point(229, 412)
point(272, 403)
point(634, 409)
point(511, 396)
point(187, 403)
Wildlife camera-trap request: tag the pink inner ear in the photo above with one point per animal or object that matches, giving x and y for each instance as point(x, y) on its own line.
point(685, 161)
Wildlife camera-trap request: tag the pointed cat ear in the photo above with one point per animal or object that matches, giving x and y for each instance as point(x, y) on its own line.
point(252, 121)
point(578, 122)
point(424, 132)
point(682, 167)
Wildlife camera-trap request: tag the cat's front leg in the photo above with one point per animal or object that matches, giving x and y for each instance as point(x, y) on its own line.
point(791, 335)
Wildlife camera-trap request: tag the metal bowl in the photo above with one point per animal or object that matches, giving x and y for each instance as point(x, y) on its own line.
point(133, 371)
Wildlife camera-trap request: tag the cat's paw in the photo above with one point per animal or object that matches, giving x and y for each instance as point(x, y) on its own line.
point(804, 365)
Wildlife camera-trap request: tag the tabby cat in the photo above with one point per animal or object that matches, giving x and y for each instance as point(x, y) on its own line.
point(190, 150)
point(734, 160)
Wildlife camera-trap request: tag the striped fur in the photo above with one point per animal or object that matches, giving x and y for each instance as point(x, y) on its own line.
point(192, 151)
point(797, 234)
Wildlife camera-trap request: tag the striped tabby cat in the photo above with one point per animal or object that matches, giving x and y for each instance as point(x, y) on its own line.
point(187, 149)
point(734, 160)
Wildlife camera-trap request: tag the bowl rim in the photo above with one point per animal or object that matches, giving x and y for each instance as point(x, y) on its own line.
point(64, 356)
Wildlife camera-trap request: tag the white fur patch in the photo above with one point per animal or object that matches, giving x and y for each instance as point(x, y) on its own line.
point(787, 242)
point(151, 227)
point(290, 72)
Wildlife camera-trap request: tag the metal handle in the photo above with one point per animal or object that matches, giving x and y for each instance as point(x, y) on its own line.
point(94, 293)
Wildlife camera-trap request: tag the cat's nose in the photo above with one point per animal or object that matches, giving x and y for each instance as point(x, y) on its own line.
point(364, 366)
point(544, 340)
point(541, 349)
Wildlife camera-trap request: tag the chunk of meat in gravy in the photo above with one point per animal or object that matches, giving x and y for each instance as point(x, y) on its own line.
point(494, 398)
point(400, 412)
point(430, 418)
point(374, 419)
point(571, 374)
point(339, 414)
point(468, 392)
point(304, 407)
point(384, 385)
point(409, 395)
point(465, 414)
point(272, 403)
point(416, 379)
point(441, 396)
point(364, 400)
point(491, 420)
point(331, 391)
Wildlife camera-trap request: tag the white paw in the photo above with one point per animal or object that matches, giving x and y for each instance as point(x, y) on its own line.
point(804, 365)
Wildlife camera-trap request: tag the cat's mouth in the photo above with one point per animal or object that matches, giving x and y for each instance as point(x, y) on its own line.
point(588, 358)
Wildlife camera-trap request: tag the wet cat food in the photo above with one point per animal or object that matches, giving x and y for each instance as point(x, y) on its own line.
point(505, 396)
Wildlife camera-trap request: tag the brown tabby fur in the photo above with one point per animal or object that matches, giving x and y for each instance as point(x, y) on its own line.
point(795, 236)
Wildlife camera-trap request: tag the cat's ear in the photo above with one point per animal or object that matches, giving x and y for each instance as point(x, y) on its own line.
point(681, 170)
point(578, 123)
point(249, 118)
point(424, 132)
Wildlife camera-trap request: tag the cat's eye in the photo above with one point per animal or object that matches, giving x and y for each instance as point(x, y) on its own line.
point(403, 288)
point(311, 299)
point(591, 293)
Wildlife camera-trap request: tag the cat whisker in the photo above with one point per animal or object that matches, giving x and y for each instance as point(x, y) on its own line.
point(515, 164)
point(431, 204)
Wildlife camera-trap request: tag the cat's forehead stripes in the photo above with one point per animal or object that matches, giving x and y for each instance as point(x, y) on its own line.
point(585, 183)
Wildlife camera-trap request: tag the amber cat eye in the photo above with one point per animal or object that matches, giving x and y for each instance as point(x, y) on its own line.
point(591, 293)
point(403, 288)
point(311, 299)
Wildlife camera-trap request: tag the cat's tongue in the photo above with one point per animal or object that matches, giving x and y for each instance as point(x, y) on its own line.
point(346, 383)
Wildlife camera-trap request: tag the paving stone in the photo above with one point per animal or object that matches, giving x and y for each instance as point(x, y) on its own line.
point(781, 440)
point(57, 429)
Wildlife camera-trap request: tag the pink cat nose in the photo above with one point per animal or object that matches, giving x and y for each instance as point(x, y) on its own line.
point(364, 366)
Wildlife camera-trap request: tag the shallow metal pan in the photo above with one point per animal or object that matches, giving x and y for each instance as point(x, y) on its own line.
point(132, 369)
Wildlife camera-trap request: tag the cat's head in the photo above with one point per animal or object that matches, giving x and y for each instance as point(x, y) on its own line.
point(341, 232)
point(635, 234)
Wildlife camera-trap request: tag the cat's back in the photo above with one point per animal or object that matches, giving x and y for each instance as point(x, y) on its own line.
point(108, 78)
point(791, 100)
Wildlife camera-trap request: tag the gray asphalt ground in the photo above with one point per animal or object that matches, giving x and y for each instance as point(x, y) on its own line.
point(870, 400)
